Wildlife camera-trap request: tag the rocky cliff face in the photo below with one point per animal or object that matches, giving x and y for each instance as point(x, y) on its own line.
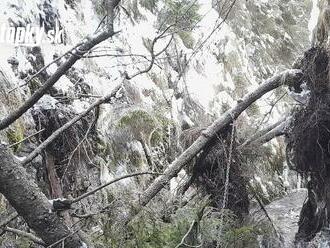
point(208, 64)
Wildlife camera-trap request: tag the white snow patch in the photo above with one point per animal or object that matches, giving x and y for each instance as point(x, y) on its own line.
point(64, 84)
point(313, 18)
point(46, 102)
point(79, 105)
point(262, 186)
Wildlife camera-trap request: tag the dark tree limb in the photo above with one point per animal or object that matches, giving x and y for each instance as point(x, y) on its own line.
point(67, 125)
point(79, 198)
point(63, 204)
point(286, 77)
point(9, 218)
point(30, 203)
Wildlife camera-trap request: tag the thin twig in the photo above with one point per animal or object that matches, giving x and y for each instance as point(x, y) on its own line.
point(62, 239)
point(229, 161)
point(272, 106)
point(28, 137)
point(27, 235)
point(186, 235)
point(111, 182)
point(153, 54)
point(265, 212)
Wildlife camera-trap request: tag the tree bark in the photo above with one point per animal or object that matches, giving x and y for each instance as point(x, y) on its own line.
point(54, 181)
point(267, 134)
point(276, 132)
point(24, 195)
point(261, 133)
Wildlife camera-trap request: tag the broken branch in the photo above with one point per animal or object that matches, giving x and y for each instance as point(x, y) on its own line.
point(67, 125)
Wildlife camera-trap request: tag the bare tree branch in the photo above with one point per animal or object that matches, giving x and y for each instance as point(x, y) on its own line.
point(64, 204)
point(272, 106)
point(62, 240)
point(275, 132)
point(152, 53)
point(217, 27)
point(26, 138)
point(67, 125)
point(194, 225)
point(27, 235)
point(182, 243)
point(111, 182)
point(265, 211)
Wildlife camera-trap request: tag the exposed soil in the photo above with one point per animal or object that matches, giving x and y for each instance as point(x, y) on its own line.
point(209, 172)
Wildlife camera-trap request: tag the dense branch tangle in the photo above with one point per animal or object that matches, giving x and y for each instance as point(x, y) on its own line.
point(285, 77)
point(16, 184)
point(76, 54)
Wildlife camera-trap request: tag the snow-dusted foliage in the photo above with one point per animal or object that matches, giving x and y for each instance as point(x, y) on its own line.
point(181, 65)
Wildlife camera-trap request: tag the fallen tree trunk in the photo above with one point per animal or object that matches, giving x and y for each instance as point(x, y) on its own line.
point(261, 133)
point(24, 195)
point(287, 77)
point(276, 132)
point(267, 134)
